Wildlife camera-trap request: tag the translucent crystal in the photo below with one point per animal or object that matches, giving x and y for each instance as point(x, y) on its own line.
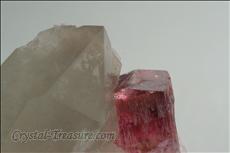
point(63, 79)
point(145, 111)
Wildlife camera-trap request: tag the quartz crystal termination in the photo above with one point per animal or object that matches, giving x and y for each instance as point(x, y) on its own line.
point(62, 79)
point(145, 110)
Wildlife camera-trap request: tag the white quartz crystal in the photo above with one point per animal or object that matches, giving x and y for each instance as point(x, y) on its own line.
point(63, 79)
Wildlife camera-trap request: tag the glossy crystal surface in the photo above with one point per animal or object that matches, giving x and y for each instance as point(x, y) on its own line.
point(145, 110)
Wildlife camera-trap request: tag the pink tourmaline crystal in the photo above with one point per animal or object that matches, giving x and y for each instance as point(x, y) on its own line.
point(145, 109)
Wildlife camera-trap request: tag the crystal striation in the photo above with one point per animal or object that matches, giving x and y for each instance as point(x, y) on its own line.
point(145, 110)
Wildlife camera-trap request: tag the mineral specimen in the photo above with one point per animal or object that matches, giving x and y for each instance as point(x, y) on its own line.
point(63, 79)
point(145, 109)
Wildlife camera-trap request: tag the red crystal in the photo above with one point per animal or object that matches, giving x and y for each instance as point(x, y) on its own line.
point(145, 110)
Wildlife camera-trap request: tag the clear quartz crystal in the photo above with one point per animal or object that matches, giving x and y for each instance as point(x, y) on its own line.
point(63, 79)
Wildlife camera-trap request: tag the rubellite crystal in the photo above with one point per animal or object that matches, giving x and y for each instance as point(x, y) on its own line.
point(63, 79)
point(145, 110)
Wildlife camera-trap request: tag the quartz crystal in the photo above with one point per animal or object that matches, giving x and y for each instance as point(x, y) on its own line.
point(145, 110)
point(63, 79)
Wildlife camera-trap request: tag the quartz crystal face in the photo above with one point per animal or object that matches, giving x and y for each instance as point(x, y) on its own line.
point(145, 110)
point(63, 79)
